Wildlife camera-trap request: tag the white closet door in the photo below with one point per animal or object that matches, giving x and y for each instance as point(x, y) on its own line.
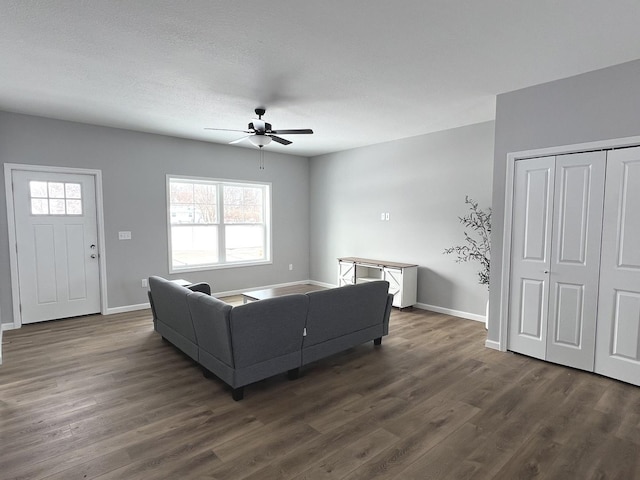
point(618, 342)
point(530, 255)
point(575, 259)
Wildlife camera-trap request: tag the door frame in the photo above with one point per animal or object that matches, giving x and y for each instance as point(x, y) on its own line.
point(9, 168)
point(512, 158)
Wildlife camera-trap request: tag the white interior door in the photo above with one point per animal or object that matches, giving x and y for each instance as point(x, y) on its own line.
point(618, 342)
point(575, 259)
point(57, 244)
point(530, 255)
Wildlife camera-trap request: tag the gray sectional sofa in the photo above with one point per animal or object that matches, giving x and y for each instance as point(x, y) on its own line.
point(244, 344)
point(171, 304)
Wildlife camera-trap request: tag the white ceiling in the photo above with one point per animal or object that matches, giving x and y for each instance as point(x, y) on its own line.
point(356, 71)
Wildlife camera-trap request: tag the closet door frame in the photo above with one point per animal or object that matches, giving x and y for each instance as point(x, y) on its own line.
point(513, 157)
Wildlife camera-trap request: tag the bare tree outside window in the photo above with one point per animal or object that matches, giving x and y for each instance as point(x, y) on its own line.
point(217, 223)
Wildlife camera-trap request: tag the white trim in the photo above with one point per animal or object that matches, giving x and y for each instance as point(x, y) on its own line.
point(127, 308)
point(491, 344)
point(449, 311)
point(13, 260)
point(321, 284)
point(11, 225)
point(512, 157)
point(205, 268)
point(7, 326)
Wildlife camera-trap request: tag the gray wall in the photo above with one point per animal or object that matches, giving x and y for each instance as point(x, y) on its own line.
point(599, 105)
point(134, 167)
point(422, 182)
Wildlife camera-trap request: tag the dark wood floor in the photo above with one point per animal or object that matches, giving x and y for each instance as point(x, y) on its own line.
point(104, 397)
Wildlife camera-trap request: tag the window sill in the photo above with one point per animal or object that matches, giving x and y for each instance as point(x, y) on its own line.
point(202, 268)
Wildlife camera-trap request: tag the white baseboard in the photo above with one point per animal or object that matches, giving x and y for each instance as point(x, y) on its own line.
point(320, 284)
point(492, 344)
point(449, 311)
point(8, 326)
point(127, 308)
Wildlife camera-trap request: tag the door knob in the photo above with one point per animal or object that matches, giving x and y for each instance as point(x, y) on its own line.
point(546, 271)
point(93, 255)
point(92, 246)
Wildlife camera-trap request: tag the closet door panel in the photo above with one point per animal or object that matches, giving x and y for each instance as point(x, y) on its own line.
point(531, 237)
point(575, 258)
point(618, 342)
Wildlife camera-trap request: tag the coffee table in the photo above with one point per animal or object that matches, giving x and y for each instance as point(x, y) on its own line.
point(278, 292)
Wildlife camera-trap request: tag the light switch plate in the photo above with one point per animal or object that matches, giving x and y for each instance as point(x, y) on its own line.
point(124, 235)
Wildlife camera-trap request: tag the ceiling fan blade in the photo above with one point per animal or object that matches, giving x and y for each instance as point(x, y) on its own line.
point(293, 132)
point(227, 130)
point(239, 139)
point(283, 141)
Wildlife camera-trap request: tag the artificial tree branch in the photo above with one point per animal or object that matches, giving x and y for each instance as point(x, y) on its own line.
point(476, 249)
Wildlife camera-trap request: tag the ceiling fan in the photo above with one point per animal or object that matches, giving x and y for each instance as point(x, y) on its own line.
point(261, 133)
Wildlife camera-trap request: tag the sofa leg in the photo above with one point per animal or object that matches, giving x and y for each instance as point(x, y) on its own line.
point(377, 341)
point(293, 373)
point(238, 394)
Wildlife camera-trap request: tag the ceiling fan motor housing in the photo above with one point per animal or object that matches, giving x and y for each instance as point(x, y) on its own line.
point(267, 128)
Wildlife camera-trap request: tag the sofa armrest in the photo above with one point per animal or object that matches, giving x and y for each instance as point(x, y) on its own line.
point(387, 314)
point(202, 287)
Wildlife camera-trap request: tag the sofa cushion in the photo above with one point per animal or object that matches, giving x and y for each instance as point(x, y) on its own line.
point(211, 318)
point(341, 311)
point(268, 329)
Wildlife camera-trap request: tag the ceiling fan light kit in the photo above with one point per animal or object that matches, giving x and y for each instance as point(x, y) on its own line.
point(260, 133)
point(260, 140)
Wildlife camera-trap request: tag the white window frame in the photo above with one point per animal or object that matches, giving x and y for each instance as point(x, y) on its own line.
point(221, 225)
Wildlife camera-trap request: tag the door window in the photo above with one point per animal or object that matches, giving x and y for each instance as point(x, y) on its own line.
point(55, 198)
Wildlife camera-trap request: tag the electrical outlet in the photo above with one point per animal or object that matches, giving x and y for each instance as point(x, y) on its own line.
point(144, 283)
point(291, 266)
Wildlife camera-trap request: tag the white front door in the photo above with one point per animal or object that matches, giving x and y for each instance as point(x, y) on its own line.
point(618, 342)
point(57, 244)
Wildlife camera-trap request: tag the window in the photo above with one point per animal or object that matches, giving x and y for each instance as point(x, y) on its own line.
point(217, 223)
point(55, 198)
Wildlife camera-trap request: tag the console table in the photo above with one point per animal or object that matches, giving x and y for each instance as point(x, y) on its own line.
point(402, 277)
